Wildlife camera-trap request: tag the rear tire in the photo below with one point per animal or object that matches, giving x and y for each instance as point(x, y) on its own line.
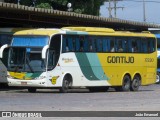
point(125, 85)
point(135, 84)
point(158, 78)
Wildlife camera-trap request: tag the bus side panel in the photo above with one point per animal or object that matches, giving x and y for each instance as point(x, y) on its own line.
point(115, 66)
point(151, 62)
point(83, 71)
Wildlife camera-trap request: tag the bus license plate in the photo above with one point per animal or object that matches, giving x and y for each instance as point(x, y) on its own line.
point(23, 83)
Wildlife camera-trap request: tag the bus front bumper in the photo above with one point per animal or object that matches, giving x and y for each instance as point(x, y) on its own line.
point(27, 83)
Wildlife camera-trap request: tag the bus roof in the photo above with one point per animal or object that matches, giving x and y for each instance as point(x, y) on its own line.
point(82, 30)
point(108, 31)
point(90, 29)
point(11, 30)
point(39, 31)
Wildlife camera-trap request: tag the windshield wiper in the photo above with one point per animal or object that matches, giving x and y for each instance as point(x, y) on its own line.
point(29, 65)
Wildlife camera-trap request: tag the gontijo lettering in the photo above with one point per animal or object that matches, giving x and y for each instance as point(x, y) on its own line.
point(120, 59)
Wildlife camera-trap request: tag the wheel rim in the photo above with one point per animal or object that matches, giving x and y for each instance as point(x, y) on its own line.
point(127, 84)
point(157, 78)
point(136, 83)
point(66, 84)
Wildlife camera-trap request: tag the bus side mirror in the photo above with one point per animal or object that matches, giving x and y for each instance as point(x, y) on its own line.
point(2, 49)
point(44, 51)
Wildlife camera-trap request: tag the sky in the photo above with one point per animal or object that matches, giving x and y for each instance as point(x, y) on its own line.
point(133, 10)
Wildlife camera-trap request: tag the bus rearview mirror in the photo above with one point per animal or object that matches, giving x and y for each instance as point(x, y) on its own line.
point(44, 50)
point(2, 49)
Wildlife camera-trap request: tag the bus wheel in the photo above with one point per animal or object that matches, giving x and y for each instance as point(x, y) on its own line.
point(135, 84)
point(32, 90)
point(158, 78)
point(125, 85)
point(65, 85)
point(98, 89)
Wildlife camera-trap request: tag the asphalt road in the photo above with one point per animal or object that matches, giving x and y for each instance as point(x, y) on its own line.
point(146, 99)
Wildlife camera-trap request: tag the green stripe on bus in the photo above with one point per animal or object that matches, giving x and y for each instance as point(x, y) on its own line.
point(96, 66)
point(85, 66)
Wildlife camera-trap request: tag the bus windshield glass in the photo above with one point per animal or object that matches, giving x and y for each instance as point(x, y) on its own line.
point(25, 60)
point(25, 53)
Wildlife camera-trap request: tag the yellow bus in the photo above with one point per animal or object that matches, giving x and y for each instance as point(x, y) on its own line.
point(74, 57)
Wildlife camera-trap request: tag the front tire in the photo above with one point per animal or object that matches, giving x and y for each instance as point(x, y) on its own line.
point(65, 85)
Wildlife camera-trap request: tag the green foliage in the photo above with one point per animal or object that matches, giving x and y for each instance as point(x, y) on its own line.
point(44, 5)
point(91, 7)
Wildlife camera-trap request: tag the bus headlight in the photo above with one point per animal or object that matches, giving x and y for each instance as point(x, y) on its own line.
point(8, 76)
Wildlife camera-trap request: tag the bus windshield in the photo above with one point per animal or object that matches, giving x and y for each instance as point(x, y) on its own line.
point(25, 60)
point(25, 54)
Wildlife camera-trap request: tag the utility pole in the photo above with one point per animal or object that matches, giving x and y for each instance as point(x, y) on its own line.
point(115, 8)
point(144, 11)
point(110, 9)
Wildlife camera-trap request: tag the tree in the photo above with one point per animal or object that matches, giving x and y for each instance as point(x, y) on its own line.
point(90, 7)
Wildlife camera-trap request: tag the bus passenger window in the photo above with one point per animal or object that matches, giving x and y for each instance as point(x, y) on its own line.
point(82, 43)
point(120, 49)
point(94, 44)
point(136, 45)
point(85, 44)
point(112, 46)
point(144, 46)
point(134, 49)
point(112, 49)
point(99, 44)
point(77, 44)
point(70, 43)
point(119, 44)
point(150, 45)
point(90, 45)
point(65, 45)
point(74, 43)
point(104, 44)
